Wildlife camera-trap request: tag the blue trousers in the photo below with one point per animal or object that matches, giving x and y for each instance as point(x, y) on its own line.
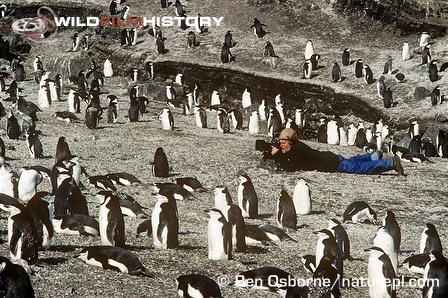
point(368, 163)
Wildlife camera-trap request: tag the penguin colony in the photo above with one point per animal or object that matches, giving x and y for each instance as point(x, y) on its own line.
point(64, 210)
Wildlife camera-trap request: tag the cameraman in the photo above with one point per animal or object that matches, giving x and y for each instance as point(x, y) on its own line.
point(293, 155)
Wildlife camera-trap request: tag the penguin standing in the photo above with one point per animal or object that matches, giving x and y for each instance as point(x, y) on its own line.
point(228, 39)
point(263, 110)
point(76, 42)
point(222, 121)
point(309, 49)
point(426, 54)
point(188, 104)
point(343, 138)
point(37, 64)
point(361, 137)
point(406, 52)
point(22, 236)
point(124, 13)
point(108, 71)
point(428, 148)
point(19, 72)
point(269, 50)
point(68, 198)
point(247, 197)
point(326, 244)
point(274, 123)
point(384, 240)
point(112, 109)
point(44, 95)
point(34, 145)
point(198, 95)
point(219, 233)
point(12, 127)
point(286, 214)
point(132, 37)
point(74, 101)
point(314, 61)
point(7, 180)
point(28, 181)
point(436, 97)
point(41, 211)
point(191, 39)
point(388, 66)
point(381, 87)
point(200, 117)
point(430, 240)
point(380, 274)
point(326, 279)
point(111, 221)
point(322, 131)
point(388, 100)
point(234, 216)
point(436, 276)
point(236, 117)
point(367, 74)
point(222, 197)
point(254, 126)
point(62, 150)
point(257, 26)
point(215, 100)
point(226, 56)
point(167, 119)
point(54, 94)
point(332, 132)
point(424, 39)
point(246, 99)
point(346, 57)
point(358, 68)
point(15, 280)
point(341, 236)
point(415, 145)
point(2, 149)
point(164, 221)
point(336, 74)
point(124, 36)
point(391, 226)
point(160, 166)
point(307, 69)
point(160, 46)
point(133, 111)
point(351, 134)
point(281, 112)
point(302, 197)
point(299, 118)
point(433, 72)
point(93, 116)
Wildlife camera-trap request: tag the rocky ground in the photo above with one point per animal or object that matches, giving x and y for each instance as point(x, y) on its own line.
point(214, 158)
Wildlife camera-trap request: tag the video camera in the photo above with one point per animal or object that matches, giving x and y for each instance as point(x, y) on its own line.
point(262, 145)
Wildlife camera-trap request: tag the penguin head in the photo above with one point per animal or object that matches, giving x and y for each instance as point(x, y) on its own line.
point(323, 234)
point(102, 195)
point(214, 213)
point(375, 251)
point(333, 222)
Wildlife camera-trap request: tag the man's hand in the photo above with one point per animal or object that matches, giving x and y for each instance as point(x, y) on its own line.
point(274, 150)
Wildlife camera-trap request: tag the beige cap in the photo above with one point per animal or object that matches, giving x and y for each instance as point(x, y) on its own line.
point(288, 134)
